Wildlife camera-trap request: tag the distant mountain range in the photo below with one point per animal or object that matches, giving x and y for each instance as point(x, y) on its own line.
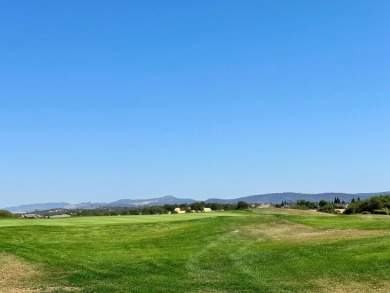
point(270, 198)
point(91, 205)
point(293, 196)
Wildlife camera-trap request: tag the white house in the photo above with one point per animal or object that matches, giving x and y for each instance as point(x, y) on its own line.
point(179, 211)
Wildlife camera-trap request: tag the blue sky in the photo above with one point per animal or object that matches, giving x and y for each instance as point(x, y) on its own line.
point(101, 100)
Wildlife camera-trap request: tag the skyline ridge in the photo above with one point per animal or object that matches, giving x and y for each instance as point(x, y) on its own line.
point(270, 198)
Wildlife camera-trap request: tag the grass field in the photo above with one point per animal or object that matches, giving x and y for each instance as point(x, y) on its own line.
point(84, 221)
point(265, 250)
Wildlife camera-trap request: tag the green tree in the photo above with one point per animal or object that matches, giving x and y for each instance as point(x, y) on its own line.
point(328, 208)
point(323, 203)
point(216, 206)
point(242, 205)
point(6, 214)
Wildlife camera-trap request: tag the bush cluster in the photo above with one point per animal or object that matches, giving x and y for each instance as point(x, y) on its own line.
point(373, 205)
point(6, 214)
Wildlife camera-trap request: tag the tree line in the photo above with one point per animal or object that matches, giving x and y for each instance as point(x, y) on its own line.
point(146, 210)
point(321, 206)
point(374, 205)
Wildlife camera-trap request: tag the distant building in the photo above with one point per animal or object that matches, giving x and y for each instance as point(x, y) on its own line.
point(179, 211)
point(206, 210)
point(31, 216)
point(59, 216)
point(262, 206)
point(341, 206)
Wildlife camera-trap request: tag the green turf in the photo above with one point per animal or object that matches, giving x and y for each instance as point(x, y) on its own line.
point(105, 220)
point(342, 222)
point(270, 251)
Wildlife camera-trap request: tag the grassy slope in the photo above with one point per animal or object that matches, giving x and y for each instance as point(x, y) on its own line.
point(267, 251)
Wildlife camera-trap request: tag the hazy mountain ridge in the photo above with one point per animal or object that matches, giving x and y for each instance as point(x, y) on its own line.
point(91, 205)
point(169, 199)
point(36, 206)
point(273, 198)
point(270, 198)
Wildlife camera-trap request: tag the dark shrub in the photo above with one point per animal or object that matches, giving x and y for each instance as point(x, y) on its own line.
point(384, 211)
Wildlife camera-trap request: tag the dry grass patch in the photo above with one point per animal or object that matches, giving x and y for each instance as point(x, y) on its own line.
point(282, 211)
point(16, 275)
point(287, 231)
point(19, 276)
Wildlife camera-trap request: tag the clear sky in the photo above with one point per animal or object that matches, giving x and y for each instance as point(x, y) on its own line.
point(102, 100)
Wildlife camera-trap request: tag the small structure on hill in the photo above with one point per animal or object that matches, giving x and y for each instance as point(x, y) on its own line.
point(179, 211)
point(263, 206)
point(59, 216)
point(31, 216)
point(340, 207)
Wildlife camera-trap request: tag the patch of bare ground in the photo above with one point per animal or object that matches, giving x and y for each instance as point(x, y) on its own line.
point(19, 276)
point(291, 232)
